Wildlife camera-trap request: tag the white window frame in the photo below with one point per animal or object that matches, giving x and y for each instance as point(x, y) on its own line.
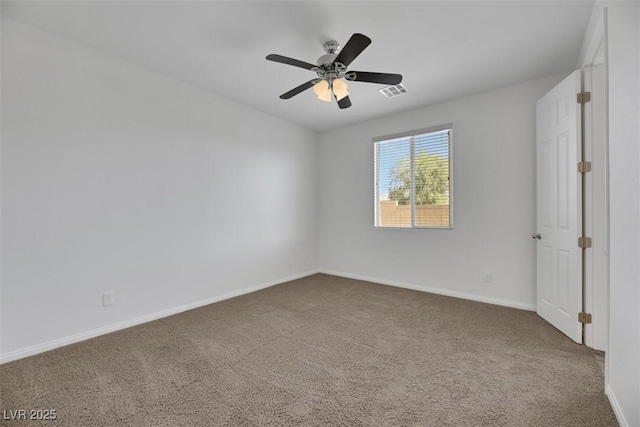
point(376, 164)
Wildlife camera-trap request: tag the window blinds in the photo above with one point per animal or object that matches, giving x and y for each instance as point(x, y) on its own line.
point(412, 179)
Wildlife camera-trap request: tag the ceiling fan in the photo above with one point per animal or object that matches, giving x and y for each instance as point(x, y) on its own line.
point(332, 71)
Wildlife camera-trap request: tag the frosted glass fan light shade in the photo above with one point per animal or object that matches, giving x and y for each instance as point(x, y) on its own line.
point(322, 90)
point(340, 89)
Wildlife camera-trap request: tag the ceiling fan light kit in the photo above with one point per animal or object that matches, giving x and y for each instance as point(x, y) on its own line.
point(323, 90)
point(332, 73)
point(339, 88)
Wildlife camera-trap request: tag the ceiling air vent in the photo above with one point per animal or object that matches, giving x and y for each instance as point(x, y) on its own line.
point(393, 91)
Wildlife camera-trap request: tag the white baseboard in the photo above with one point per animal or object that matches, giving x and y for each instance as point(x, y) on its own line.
point(61, 342)
point(615, 406)
point(439, 291)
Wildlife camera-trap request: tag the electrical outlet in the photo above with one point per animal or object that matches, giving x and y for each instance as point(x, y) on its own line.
point(108, 298)
point(487, 277)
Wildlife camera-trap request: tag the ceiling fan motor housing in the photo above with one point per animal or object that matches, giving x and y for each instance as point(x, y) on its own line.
point(327, 68)
point(326, 59)
point(331, 47)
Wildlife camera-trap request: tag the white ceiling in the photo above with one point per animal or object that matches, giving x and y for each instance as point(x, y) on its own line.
point(443, 49)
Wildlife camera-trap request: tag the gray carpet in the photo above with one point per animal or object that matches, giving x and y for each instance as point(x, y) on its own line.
point(318, 351)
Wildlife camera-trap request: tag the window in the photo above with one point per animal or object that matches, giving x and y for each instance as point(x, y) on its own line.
point(412, 179)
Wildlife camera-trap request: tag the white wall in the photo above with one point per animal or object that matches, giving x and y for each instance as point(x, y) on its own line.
point(494, 200)
point(623, 357)
point(117, 178)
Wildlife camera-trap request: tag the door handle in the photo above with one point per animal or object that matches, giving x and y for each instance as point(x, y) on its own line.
point(536, 236)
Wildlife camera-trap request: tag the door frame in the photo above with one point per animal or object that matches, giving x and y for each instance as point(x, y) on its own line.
point(596, 224)
point(594, 202)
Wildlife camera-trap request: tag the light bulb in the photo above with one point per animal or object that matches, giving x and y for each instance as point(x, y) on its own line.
point(340, 89)
point(322, 90)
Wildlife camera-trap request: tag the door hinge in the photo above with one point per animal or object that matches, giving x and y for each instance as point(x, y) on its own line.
point(584, 317)
point(584, 242)
point(584, 97)
point(584, 167)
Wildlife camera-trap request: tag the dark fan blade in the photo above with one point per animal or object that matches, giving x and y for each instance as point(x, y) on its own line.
point(354, 47)
point(383, 78)
point(297, 90)
point(344, 103)
point(289, 61)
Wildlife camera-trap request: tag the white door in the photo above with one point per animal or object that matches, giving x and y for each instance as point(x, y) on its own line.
point(559, 207)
